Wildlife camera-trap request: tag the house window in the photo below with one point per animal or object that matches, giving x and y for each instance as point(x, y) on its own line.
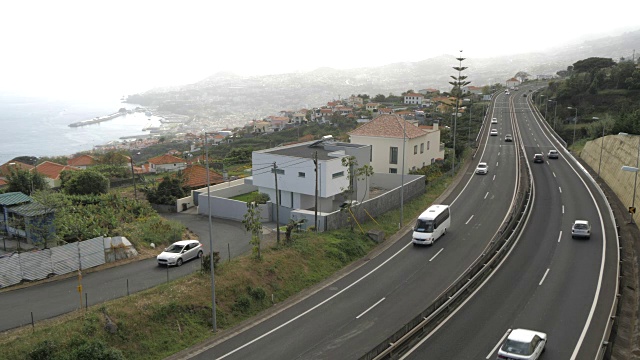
point(415, 149)
point(393, 171)
point(301, 174)
point(278, 171)
point(393, 155)
point(428, 143)
point(337, 175)
point(421, 148)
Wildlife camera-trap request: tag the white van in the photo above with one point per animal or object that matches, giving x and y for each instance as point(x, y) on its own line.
point(431, 224)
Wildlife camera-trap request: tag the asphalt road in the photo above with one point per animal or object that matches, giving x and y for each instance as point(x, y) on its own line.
point(347, 318)
point(50, 299)
point(549, 282)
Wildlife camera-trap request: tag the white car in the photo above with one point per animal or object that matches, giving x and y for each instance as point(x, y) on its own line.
point(581, 228)
point(494, 132)
point(482, 168)
point(494, 121)
point(523, 344)
point(179, 252)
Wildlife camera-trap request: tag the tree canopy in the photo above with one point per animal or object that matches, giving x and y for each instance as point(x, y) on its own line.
point(592, 64)
point(86, 182)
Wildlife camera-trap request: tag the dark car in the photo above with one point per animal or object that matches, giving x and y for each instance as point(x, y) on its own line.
point(538, 158)
point(508, 138)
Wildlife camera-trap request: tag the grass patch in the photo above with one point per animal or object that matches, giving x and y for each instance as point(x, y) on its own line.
point(245, 197)
point(168, 318)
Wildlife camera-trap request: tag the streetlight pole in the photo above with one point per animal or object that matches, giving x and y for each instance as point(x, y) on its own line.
point(213, 283)
point(469, 128)
point(575, 123)
point(635, 181)
point(404, 140)
point(601, 146)
point(541, 100)
point(555, 107)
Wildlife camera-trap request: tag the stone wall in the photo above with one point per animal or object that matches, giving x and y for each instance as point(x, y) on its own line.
point(618, 151)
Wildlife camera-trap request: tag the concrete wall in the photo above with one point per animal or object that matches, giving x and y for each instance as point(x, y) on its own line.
point(618, 151)
point(223, 208)
point(226, 189)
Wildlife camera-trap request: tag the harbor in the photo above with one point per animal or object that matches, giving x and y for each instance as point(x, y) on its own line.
point(97, 119)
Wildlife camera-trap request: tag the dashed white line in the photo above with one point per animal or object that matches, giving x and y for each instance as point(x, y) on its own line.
point(434, 256)
point(554, 174)
point(560, 236)
point(371, 307)
point(472, 215)
point(563, 209)
point(485, 196)
point(497, 162)
point(494, 177)
point(560, 188)
point(543, 277)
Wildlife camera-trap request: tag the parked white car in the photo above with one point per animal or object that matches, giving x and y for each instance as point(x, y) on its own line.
point(523, 344)
point(180, 252)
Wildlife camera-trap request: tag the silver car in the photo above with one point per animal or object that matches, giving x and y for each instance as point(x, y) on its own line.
point(581, 228)
point(482, 168)
point(523, 344)
point(179, 252)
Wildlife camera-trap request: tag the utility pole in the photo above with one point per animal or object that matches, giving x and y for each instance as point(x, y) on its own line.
point(275, 173)
point(211, 264)
point(315, 215)
point(133, 176)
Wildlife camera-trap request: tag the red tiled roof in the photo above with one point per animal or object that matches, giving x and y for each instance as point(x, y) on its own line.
point(3, 182)
point(82, 160)
point(5, 169)
point(53, 170)
point(389, 126)
point(166, 159)
point(195, 176)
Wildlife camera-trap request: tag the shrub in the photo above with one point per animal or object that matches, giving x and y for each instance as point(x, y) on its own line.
point(242, 304)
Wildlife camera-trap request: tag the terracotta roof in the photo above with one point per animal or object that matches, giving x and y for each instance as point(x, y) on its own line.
point(53, 170)
point(196, 176)
point(166, 159)
point(3, 182)
point(389, 126)
point(5, 169)
point(82, 160)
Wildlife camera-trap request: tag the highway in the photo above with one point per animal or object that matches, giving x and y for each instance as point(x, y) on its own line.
point(549, 282)
point(349, 317)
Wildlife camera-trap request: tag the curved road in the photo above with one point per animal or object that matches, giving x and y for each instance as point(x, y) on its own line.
point(549, 282)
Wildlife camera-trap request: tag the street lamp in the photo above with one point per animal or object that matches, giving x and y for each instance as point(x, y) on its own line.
point(540, 102)
point(575, 123)
point(213, 283)
point(601, 145)
point(635, 181)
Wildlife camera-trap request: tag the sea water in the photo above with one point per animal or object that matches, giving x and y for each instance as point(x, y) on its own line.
point(39, 126)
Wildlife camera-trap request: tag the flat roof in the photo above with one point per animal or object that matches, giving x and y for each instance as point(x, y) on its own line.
point(307, 150)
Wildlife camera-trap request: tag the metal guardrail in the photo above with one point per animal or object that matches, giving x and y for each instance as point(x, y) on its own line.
point(457, 292)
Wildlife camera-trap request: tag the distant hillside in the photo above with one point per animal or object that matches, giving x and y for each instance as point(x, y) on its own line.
point(238, 99)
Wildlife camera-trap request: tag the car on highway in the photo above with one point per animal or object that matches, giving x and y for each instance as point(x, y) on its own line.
point(180, 252)
point(553, 154)
point(482, 168)
point(494, 121)
point(538, 158)
point(581, 229)
point(508, 138)
point(523, 344)
point(524, 95)
point(494, 132)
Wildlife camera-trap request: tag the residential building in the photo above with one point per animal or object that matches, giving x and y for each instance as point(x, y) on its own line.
point(296, 178)
point(512, 82)
point(195, 176)
point(413, 98)
point(385, 135)
point(51, 172)
point(164, 163)
point(23, 217)
point(476, 90)
point(372, 106)
point(355, 101)
point(82, 161)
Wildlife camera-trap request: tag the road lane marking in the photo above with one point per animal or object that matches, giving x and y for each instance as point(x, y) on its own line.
point(310, 309)
point(497, 162)
point(494, 177)
point(560, 236)
point(545, 275)
point(434, 256)
point(495, 348)
point(560, 188)
point(371, 307)
point(554, 174)
point(563, 209)
point(472, 215)
point(485, 196)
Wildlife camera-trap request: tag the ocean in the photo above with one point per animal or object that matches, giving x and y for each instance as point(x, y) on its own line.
point(39, 126)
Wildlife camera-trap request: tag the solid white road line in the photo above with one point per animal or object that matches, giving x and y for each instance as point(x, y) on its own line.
point(495, 348)
point(472, 215)
point(371, 307)
point(560, 236)
point(543, 277)
point(434, 256)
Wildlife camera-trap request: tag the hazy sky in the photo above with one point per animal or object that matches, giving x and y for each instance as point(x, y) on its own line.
point(121, 47)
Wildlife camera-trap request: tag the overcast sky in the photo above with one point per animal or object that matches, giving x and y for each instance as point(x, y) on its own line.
point(121, 47)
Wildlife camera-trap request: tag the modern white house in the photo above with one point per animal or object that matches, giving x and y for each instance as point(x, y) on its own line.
point(385, 135)
point(413, 98)
point(296, 178)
